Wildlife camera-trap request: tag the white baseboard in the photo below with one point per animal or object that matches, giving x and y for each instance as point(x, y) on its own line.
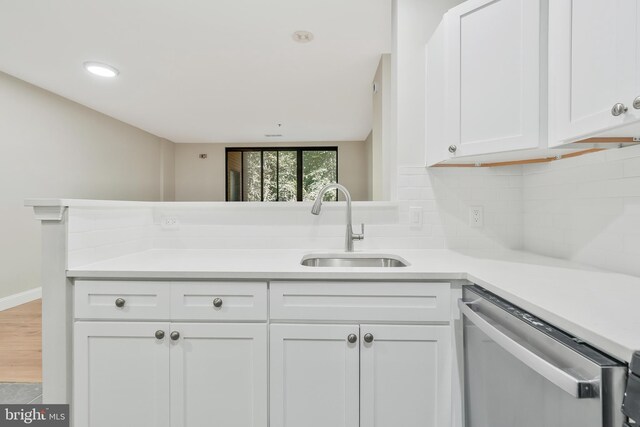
point(20, 298)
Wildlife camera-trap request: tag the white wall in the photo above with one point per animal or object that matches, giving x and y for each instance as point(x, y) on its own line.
point(52, 147)
point(167, 170)
point(381, 132)
point(204, 179)
point(586, 209)
point(368, 151)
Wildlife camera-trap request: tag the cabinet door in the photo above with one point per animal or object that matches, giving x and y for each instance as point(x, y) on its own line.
point(493, 76)
point(314, 376)
point(592, 66)
point(219, 375)
point(121, 374)
point(405, 376)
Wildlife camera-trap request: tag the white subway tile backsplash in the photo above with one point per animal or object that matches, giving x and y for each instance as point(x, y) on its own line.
point(586, 209)
point(96, 234)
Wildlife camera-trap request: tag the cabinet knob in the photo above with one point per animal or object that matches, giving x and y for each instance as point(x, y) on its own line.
point(120, 302)
point(159, 334)
point(618, 109)
point(453, 149)
point(636, 103)
point(217, 302)
point(352, 338)
point(175, 335)
point(368, 338)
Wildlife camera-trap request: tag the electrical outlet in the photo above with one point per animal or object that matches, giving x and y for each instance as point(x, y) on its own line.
point(415, 216)
point(476, 216)
point(170, 223)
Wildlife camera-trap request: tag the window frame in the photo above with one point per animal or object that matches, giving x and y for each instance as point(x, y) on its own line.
point(299, 166)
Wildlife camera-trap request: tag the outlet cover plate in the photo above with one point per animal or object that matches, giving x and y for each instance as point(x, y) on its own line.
point(170, 223)
point(476, 216)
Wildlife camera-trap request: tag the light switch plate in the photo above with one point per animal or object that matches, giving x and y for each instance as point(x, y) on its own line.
point(415, 216)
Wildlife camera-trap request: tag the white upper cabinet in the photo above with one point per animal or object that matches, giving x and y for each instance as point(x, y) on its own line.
point(494, 76)
point(484, 73)
point(593, 68)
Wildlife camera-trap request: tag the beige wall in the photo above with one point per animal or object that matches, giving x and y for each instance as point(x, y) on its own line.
point(381, 130)
point(204, 179)
point(52, 147)
point(368, 144)
point(168, 170)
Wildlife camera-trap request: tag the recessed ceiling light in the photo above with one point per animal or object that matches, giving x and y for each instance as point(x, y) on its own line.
point(302, 36)
point(102, 70)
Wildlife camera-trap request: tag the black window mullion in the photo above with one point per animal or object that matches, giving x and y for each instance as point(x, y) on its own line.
point(277, 175)
point(299, 175)
point(242, 195)
point(262, 175)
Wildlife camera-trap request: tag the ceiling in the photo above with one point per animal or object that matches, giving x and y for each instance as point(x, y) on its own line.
point(207, 70)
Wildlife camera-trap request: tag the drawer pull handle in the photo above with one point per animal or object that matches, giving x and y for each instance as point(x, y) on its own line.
point(120, 302)
point(217, 302)
point(175, 335)
point(352, 338)
point(159, 334)
point(368, 338)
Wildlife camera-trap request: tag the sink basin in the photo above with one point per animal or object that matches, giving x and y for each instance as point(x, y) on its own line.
point(353, 260)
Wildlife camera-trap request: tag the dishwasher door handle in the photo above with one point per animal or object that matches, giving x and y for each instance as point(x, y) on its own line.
point(576, 387)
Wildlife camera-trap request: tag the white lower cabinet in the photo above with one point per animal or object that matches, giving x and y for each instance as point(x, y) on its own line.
point(396, 375)
point(405, 376)
point(121, 375)
point(211, 374)
point(314, 376)
point(219, 375)
point(144, 359)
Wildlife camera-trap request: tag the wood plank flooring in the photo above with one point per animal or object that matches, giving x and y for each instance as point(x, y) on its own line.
point(21, 343)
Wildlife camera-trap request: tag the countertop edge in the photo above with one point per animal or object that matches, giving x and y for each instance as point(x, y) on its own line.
point(264, 275)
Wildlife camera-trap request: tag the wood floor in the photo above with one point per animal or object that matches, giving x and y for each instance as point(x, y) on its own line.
point(21, 343)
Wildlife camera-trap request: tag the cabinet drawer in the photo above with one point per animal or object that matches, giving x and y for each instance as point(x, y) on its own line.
point(219, 301)
point(350, 301)
point(138, 300)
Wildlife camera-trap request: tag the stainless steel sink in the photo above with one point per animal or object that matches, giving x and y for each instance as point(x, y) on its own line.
point(353, 260)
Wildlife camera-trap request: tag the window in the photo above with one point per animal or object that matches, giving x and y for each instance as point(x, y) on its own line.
point(280, 174)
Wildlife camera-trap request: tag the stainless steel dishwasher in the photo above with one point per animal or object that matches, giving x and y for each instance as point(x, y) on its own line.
point(522, 372)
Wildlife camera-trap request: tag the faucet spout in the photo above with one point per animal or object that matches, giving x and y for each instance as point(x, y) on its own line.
point(350, 236)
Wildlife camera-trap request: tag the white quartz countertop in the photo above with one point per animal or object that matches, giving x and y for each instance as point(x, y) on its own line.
point(597, 306)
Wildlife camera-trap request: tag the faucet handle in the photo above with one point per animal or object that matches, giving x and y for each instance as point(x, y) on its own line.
point(361, 235)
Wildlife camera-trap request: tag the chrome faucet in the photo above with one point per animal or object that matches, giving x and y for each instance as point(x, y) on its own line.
point(350, 236)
